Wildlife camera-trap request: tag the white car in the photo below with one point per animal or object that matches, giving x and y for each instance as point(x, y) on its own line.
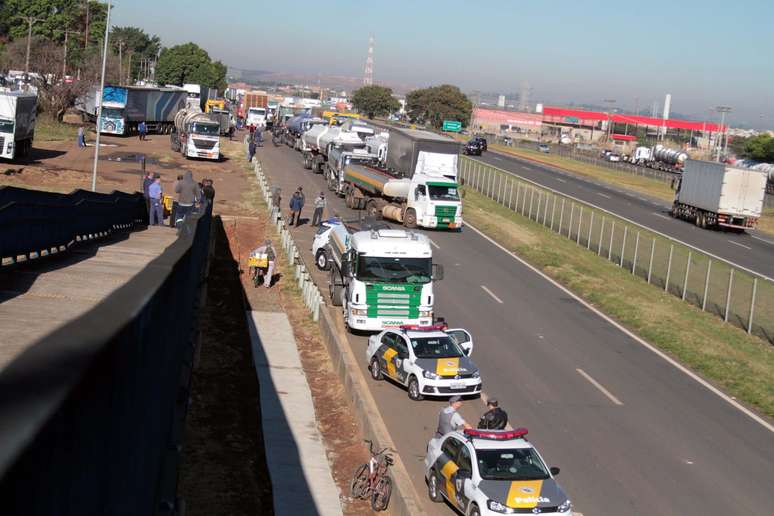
point(427, 360)
point(493, 472)
point(319, 245)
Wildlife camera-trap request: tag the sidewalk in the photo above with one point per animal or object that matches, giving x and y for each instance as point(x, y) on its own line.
point(301, 478)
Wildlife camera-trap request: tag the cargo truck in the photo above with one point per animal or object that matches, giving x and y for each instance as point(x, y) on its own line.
point(124, 107)
point(195, 135)
point(320, 139)
point(198, 95)
point(214, 105)
point(713, 194)
point(382, 278)
point(17, 123)
point(223, 118)
point(256, 107)
point(415, 184)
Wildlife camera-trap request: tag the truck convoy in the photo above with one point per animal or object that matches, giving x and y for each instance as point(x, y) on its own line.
point(124, 107)
point(17, 123)
point(415, 184)
point(713, 194)
point(296, 126)
point(198, 95)
point(320, 139)
point(382, 278)
point(195, 135)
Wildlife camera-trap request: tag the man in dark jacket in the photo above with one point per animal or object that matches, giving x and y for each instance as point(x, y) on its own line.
point(147, 180)
point(494, 418)
point(296, 204)
point(187, 195)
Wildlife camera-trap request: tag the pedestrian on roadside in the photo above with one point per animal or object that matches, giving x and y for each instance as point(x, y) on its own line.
point(276, 197)
point(81, 138)
point(258, 136)
point(208, 190)
point(494, 418)
point(296, 204)
point(147, 180)
point(319, 206)
point(143, 130)
point(250, 150)
point(187, 195)
point(156, 195)
point(449, 418)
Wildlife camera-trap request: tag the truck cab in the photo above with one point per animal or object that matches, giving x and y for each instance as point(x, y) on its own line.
point(256, 116)
point(202, 139)
point(435, 202)
point(17, 123)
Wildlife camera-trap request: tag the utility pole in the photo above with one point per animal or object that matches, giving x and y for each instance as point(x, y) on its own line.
point(611, 102)
point(723, 110)
point(129, 69)
point(64, 61)
point(31, 20)
point(86, 30)
point(120, 61)
point(99, 106)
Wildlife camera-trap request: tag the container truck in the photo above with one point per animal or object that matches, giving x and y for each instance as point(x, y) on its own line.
point(17, 123)
point(195, 135)
point(666, 159)
point(198, 95)
point(711, 194)
point(382, 278)
point(256, 106)
point(318, 141)
point(124, 107)
point(416, 185)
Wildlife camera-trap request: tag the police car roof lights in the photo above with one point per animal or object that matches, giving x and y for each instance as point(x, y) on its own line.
point(416, 327)
point(497, 435)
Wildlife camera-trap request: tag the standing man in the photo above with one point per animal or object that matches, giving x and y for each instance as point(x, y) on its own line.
point(81, 138)
point(250, 150)
point(208, 190)
point(142, 129)
point(187, 195)
point(494, 418)
point(296, 204)
point(449, 419)
point(276, 198)
point(319, 206)
point(147, 180)
point(156, 215)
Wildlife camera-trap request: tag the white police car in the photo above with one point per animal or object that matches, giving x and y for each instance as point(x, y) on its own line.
point(321, 258)
point(427, 360)
point(492, 472)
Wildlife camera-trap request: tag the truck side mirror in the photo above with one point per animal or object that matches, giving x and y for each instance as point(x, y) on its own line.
point(437, 272)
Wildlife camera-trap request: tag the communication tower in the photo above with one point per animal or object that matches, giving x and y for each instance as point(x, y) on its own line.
point(368, 76)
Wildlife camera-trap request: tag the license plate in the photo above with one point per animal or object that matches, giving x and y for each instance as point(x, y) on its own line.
point(445, 220)
point(458, 385)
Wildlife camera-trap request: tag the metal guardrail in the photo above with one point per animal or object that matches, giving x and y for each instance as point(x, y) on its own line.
point(34, 223)
point(740, 296)
point(91, 415)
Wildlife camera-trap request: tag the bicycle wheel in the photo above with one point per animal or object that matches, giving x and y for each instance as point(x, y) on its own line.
point(380, 496)
point(359, 485)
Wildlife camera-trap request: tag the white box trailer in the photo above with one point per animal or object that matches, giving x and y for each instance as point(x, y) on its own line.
point(18, 110)
point(715, 194)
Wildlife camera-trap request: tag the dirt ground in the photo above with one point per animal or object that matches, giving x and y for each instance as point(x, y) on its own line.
point(223, 470)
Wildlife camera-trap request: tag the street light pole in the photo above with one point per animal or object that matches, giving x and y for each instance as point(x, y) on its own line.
point(101, 98)
point(723, 110)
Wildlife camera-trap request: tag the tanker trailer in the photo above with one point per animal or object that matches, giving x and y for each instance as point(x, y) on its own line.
point(196, 135)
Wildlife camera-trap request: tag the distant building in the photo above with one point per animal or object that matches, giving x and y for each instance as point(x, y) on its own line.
point(501, 101)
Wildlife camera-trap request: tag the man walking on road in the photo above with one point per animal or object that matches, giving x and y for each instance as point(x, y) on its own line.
point(81, 138)
point(156, 215)
point(187, 195)
point(449, 419)
point(276, 198)
point(143, 130)
point(494, 418)
point(296, 205)
point(250, 150)
point(319, 206)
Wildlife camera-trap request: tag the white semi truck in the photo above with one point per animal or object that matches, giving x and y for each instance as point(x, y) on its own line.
point(320, 139)
point(415, 183)
point(713, 194)
point(17, 123)
point(382, 278)
point(196, 135)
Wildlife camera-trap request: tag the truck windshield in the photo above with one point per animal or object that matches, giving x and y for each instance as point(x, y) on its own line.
point(112, 113)
point(206, 129)
point(394, 270)
point(443, 193)
point(511, 464)
point(6, 126)
point(435, 347)
point(256, 111)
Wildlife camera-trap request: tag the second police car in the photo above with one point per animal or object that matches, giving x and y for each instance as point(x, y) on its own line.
point(427, 360)
point(492, 472)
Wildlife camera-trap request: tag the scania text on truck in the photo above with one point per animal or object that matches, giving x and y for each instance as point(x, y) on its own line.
point(713, 194)
point(17, 123)
point(415, 184)
point(124, 107)
point(382, 278)
point(196, 135)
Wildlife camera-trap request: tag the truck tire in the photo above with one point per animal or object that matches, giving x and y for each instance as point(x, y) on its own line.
point(410, 218)
point(348, 199)
point(334, 288)
point(331, 183)
point(322, 260)
point(372, 210)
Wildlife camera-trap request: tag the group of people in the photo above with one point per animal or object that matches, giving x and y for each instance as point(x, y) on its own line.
point(450, 419)
point(254, 140)
point(189, 195)
point(296, 204)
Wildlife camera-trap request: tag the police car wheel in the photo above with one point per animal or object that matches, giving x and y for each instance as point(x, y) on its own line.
point(474, 510)
point(376, 371)
point(322, 260)
point(432, 488)
point(413, 389)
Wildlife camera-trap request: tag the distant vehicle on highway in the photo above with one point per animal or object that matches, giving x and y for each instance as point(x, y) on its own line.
point(481, 141)
point(428, 361)
point(544, 148)
point(472, 148)
point(507, 140)
point(614, 157)
point(492, 472)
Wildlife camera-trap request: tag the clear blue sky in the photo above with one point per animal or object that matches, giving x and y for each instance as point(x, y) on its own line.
point(704, 53)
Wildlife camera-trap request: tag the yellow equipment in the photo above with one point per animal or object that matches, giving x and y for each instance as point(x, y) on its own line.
point(258, 261)
point(214, 104)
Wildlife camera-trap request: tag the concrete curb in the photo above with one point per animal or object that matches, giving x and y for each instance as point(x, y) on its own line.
point(405, 499)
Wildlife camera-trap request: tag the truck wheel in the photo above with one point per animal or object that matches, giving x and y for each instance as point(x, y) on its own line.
point(410, 219)
point(318, 169)
point(321, 260)
point(334, 289)
point(348, 199)
point(373, 211)
point(331, 183)
point(704, 221)
point(413, 389)
point(697, 219)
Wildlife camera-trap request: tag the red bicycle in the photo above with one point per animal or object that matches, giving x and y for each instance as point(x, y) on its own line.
point(371, 479)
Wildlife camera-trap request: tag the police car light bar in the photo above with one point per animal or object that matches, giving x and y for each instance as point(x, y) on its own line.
point(498, 435)
point(416, 327)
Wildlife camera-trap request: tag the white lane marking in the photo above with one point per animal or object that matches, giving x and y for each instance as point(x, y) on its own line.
point(560, 179)
point(599, 386)
point(434, 244)
point(492, 294)
point(762, 240)
point(662, 216)
point(525, 167)
point(498, 159)
point(740, 245)
point(604, 195)
point(725, 397)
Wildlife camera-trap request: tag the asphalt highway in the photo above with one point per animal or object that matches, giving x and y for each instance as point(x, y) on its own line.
point(752, 250)
point(631, 433)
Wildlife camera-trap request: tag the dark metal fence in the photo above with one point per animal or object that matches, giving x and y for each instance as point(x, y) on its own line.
point(38, 223)
point(91, 415)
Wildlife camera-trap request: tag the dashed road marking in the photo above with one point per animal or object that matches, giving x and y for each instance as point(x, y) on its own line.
point(492, 294)
point(604, 195)
point(599, 386)
point(662, 216)
point(740, 245)
point(527, 168)
point(762, 239)
point(560, 179)
point(498, 159)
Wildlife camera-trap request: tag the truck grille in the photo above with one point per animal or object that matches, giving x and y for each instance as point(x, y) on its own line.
point(446, 212)
point(2, 144)
point(204, 144)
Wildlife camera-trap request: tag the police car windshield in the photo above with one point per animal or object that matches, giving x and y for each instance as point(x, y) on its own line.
point(394, 270)
point(511, 464)
point(443, 193)
point(435, 347)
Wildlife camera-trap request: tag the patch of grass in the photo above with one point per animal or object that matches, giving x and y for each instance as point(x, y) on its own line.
point(50, 129)
point(742, 365)
point(766, 222)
